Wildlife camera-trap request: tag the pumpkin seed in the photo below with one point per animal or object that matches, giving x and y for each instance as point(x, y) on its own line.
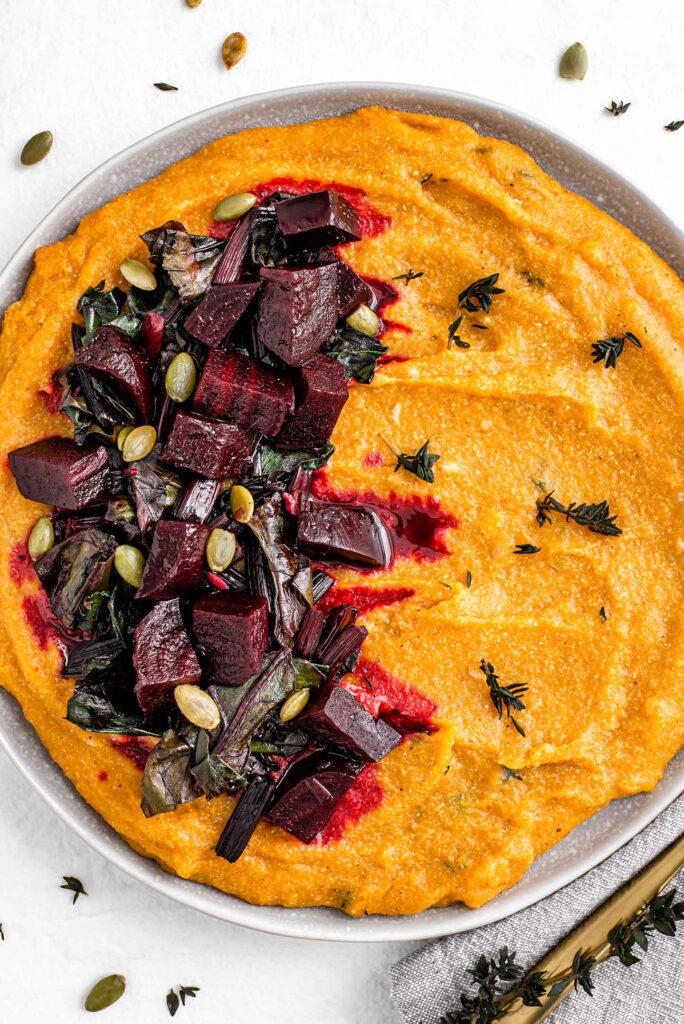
point(574, 62)
point(36, 149)
point(365, 321)
point(197, 706)
point(233, 50)
point(41, 538)
point(121, 436)
point(294, 705)
point(235, 206)
point(181, 377)
point(241, 503)
point(129, 562)
point(105, 993)
point(137, 274)
point(220, 549)
point(138, 443)
point(193, 3)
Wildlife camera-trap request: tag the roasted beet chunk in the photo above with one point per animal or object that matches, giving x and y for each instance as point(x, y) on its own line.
point(344, 533)
point(250, 394)
point(163, 656)
point(232, 632)
point(321, 394)
point(297, 310)
point(338, 718)
point(214, 317)
point(310, 794)
point(175, 561)
point(320, 218)
point(197, 501)
point(112, 357)
point(210, 448)
point(352, 290)
point(57, 472)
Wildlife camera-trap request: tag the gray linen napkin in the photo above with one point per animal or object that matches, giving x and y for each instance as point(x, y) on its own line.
point(427, 983)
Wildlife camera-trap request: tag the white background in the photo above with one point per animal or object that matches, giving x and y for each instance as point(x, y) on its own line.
point(84, 69)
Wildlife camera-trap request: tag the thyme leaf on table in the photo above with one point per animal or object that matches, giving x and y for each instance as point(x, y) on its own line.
point(74, 885)
point(618, 108)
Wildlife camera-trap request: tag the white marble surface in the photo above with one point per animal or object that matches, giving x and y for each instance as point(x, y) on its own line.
point(84, 70)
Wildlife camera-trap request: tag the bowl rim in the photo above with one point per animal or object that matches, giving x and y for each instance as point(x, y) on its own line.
point(51, 784)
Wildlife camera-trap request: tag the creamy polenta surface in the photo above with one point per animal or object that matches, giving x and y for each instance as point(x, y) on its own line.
point(591, 624)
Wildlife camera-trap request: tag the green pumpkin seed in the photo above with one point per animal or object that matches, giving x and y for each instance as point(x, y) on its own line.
point(137, 274)
point(233, 50)
point(235, 206)
point(197, 706)
point(181, 377)
point(105, 993)
point(294, 705)
point(138, 443)
point(220, 549)
point(36, 149)
point(121, 436)
point(41, 538)
point(193, 3)
point(365, 321)
point(129, 562)
point(241, 504)
point(574, 62)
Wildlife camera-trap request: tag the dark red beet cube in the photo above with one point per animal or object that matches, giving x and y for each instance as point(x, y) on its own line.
point(197, 501)
point(316, 219)
point(211, 448)
point(338, 717)
point(354, 534)
point(153, 334)
point(352, 290)
point(297, 310)
point(215, 316)
point(176, 560)
point(113, 358)
point(163, 656)
point(321, 391)
point(248, 393)
point(57, 472)
point(232, 631)
point(310, 794)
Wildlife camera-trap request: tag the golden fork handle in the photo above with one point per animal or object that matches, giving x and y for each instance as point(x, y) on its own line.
point(623, 906)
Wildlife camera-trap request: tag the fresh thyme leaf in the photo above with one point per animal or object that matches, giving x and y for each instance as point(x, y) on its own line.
point(426, 177)
point(618, 108)
point(165, 87)
point(419, 464)
point(504, 698)
point(74, 885)
point(409, 276)
point(370, 685)
point(480, 327)
point(478, 295)
point(454, 339)
point(526, 549)
point(609, 350)
point(2, 934)
point(674, 126)
point(172, 1002)
point(596, 518)
point(510, 773)
point(532, 279)
point(469, 578)
point(602, 614)
point(184, 992)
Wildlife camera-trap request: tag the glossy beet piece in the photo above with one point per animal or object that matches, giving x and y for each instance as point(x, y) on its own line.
point(321, 394)
point(153, 334)
point(176, 560)
point(232, 631)
point(316, 219)
point(113, 358)
point(353, 534)
point(163, 656)
point(57, 472)
point(252, 395)
point(297, 310)
point(214, 317)
point(197, 501)
point(211, 448)
point(339, 718)
point(352, 290)
point(310, 793)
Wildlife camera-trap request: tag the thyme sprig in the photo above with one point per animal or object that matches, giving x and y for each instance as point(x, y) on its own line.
point(674, 126)
point(410, 275)
point(420, 464)
point(478, 295)
point(596, 518)
point(454, 338)
point(74, 885)
point(609, 350)
point(526, 549)
point(504, 697)
point(618, 108)
point(175, 999)
point(490, 1003)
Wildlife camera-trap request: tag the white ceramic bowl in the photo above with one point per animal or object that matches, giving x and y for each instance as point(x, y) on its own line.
point(591, 842)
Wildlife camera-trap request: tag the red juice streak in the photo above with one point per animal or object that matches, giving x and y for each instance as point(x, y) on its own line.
point(394, 325)
point(222, 229)
point(400, 704)
point(363, 796)
point(20, 564)
point(364, 599)
point(102, 776)
point(37, 614)
point(52, 394)
point(373, 459)
point(417, 524)
point(135, 748)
